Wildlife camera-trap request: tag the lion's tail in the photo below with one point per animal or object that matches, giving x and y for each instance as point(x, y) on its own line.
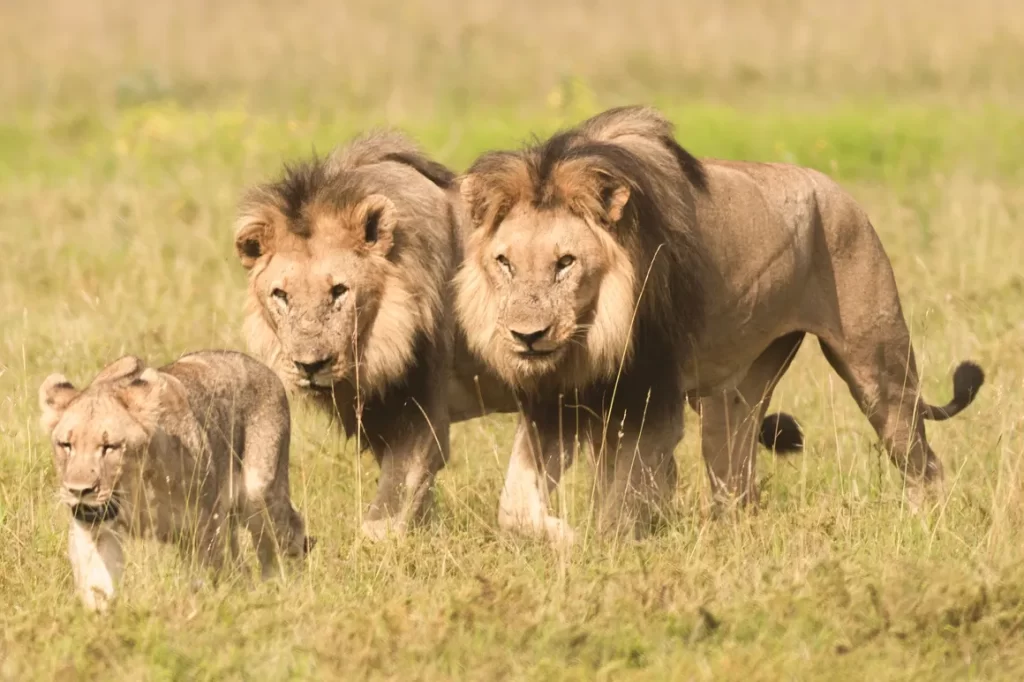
point(967, 379)
point(781, 433)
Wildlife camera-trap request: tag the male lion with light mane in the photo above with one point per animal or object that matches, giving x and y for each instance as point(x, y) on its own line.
point(350, 261)
point(612, 277)
point(186, 453)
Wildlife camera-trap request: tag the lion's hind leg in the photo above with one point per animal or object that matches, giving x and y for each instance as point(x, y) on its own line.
point(882, 377)
point(732, 421)
point(265, 506)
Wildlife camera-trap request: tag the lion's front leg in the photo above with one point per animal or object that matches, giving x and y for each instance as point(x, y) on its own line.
point(409, 461)
point(534, 470)
point(637, 473)
point(97, 563)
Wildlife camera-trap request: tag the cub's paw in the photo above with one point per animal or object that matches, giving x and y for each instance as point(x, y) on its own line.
point(379, 529)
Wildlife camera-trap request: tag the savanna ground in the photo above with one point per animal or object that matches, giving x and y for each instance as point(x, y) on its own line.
point(126, 134)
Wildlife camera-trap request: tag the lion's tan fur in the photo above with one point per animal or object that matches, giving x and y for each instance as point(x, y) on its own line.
point(729, 264)
point(185, 453)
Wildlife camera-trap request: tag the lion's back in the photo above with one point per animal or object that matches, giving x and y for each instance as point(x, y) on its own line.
point(232, 387)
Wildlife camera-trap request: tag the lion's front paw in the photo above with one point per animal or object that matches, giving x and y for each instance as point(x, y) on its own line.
point(379, 529)
point(554, 529)
point(96, 599)
point(559, 533)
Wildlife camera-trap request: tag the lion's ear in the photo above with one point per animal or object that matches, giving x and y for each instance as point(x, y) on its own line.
point(252, 240)
point(377, 217)
point(122, 368)
point(482, 206)
point(472, 200)
point(614, 198)
point(55, 394)
point(141, 396)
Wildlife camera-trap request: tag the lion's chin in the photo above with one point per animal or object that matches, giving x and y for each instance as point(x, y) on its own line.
point(529, 367)
point(96, 513)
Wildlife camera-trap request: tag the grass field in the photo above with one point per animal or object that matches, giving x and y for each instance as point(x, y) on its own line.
point(127, 135)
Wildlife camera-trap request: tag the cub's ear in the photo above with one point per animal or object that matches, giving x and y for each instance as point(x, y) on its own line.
point(376, 216)
point(125, 367)
point(614, 198)
point(142, 395)
point(252, 239)
point(55, 394)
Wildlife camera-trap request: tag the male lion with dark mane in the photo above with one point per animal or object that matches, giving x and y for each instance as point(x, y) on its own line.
point(350, 263)
point(350, 260)
point(611, 277)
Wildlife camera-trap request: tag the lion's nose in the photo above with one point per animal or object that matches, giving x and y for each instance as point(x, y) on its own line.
point(311, 368)
point(529, 338)
point(82, 490)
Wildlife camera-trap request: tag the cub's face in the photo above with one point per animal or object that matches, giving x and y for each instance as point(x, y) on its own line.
point(98, 436)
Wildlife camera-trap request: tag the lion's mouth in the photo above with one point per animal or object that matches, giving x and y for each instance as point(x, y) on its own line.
point(96, 513)
point(314, 385)
point(532, 354)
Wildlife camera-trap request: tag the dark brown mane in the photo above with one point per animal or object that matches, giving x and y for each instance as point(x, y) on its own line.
point(299, 184)
point(331, 179)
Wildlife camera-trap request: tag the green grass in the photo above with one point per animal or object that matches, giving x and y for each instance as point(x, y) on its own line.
point(115, 236)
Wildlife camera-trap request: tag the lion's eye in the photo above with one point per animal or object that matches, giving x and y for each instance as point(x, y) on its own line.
point(280, 296)
point(565, 261)
point(338, 290)
point(65, 446)
point(111, 447)
point(503, 262)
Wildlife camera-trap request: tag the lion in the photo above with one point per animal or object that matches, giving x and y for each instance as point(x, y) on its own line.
point(185, 453)
point(611, 278)
point(350, 262)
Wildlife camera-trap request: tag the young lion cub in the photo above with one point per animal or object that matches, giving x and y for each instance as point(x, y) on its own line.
point(185, 453)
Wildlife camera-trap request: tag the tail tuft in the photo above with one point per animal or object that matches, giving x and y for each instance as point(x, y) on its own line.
point(781, 433)
point(967, 379)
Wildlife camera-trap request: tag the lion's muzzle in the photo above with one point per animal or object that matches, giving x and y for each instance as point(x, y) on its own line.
point(530, 342)
point(315, 373)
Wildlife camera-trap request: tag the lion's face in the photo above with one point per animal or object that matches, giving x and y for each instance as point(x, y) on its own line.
point(98, 435)
point(546, 294)
point(320, 296)
point(326, 304)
